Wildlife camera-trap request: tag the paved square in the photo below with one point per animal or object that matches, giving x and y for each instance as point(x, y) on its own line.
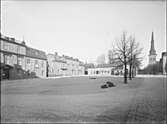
point(80, 99)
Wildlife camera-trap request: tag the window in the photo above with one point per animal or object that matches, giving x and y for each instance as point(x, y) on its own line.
point(18, 49)
point(10, 47)
point(19, 61)
point(2, 42)
point(5, 46)
point(14, 59)
point(2, 58)
point(28, 61)
point(15, 48)
point(22, 50)
point(36, 64)
point(42, 64)
point(7, 59)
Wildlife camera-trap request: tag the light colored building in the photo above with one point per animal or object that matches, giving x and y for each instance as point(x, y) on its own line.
point(105, 69)
point(12, 52)
point(64, 65)
point(164, 61)
point(18, 60)
point(36, 61)
point(56, 66)
point(100, 71)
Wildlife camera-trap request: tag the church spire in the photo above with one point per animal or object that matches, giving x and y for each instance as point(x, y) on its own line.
point(152, 50)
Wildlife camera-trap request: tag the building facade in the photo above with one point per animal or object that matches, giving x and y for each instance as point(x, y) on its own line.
point(152, 52)
point(64, 66)
point(14, 57)
point(36, 61)
point(12, 52)
point(164, 62)
point(99, 71)
point(105, 69)
point(56, 66)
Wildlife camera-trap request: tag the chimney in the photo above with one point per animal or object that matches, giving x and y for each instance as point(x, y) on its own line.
point(23, 42)
point(56, 53)
point(12, 39)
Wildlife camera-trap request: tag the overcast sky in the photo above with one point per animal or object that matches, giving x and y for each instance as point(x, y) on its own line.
point(84, 29)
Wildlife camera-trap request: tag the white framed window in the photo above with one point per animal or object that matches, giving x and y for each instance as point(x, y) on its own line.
point(7, 59)
point(5, 46)
point(19, 61)
point(36, 64)
point(28, 61)
point(2, 58)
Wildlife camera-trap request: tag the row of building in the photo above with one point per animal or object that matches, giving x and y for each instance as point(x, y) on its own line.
point(64, 65)
point(21, 61)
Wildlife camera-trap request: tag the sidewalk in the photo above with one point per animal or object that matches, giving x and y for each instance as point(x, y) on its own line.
point(149, 75)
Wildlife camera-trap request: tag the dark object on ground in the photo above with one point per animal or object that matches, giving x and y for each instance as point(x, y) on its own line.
point(104, 86)
point(92, 78)
point(110, 84)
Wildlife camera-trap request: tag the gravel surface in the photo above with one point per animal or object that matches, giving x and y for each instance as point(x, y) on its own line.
point(80, 99)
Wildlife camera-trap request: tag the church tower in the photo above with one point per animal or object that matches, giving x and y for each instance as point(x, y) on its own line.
point(152, 52)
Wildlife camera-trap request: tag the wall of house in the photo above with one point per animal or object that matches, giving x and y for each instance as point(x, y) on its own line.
point(63, 66)
point(13, 47)
point(36, 65)
point(164, 60)
point(99, 71)
point(14, 55)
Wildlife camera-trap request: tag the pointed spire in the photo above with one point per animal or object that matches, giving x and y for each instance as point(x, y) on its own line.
point(152, 42)
point(152, 50)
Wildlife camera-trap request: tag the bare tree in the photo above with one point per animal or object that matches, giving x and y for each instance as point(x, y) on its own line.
point(121, 53)
point(127, 52)
point(134, 56)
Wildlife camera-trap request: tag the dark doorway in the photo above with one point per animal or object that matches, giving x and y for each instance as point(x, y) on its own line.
point(5, 71)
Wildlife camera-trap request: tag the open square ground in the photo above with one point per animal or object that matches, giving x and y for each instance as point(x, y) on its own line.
point(80, 99)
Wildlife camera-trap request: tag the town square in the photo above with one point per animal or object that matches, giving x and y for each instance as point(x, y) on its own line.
point(83, 62)
point(80, 99)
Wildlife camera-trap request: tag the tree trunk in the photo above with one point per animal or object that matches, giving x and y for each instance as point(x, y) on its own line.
point(130, 71)
point(133, 71)
point(125, 74)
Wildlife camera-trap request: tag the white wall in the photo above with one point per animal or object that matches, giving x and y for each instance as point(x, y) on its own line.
point(39, 68)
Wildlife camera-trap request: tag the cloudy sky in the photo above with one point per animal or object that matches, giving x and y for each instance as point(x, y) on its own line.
point(84, 29)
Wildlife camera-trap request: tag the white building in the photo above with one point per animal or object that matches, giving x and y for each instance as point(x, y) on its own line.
point(64, 66)
point(105, 69)
point(36, 61)
point(99, 71)
point(21, 60)
point(164, 61)
point(56, 66)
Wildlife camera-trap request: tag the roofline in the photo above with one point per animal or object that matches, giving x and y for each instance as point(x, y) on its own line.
point(11, 41)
